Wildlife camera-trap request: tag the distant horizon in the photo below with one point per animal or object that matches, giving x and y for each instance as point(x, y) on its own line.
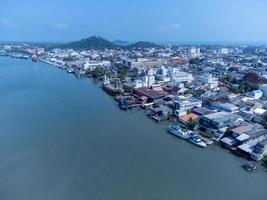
point(191, 43)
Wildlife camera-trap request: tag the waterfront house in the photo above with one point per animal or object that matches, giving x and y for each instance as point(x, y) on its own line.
point(240, 134)
point(183, 105)
point(189, 118)
point(172, 89)
point(202, 111)
point(152, 93)
point(227, 107)
point(251, 139)
point(259, 150)
point(220, 121)
point(160, 112)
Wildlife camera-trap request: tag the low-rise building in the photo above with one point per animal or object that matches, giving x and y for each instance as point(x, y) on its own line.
point(202, 111)
point(220, 120)
point(178, 76)
point(182, 106)
point(209, 80)
point(152, 93)
point(191, 117)
point(259, 150)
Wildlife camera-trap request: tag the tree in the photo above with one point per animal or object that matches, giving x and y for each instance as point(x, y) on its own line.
point(247, 87)
point(265, 160)
point(195, 61)
point(98, 72)
point(228, 132)
point(207, 134)
point(192, 123)
point(122, 73)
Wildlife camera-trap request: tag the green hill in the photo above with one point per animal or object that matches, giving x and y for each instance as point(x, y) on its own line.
point(96, 42)
point(93, 42)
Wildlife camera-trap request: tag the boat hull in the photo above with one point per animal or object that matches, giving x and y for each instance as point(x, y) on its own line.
point(178, 134)
point(199, 144)
point(111, 91)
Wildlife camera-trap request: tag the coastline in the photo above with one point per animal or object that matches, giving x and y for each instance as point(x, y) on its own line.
point(79, 75)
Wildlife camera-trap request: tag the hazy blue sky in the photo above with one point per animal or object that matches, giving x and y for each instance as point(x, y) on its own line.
point(132, 20)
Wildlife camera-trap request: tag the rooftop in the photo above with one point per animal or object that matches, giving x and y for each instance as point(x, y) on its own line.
point(202, 111)
point(221, 116)
point(186, 118)
point(152, 93)
point(242, 129)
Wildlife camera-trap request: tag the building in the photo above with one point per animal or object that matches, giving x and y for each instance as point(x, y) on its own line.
point(138, 83)
point(163, 71)
point(185, 119)
point(224, 50)
point(259, 150)
point(220, 120)
point(182, 106)
point(160, 112)
point(220, 106)
point(227, 107)
point(149, 80)
point(202, 111)
point(242, 134)
point(253, 144)
point(91, 65)
point(194, 52)
point(178, 76)
point(263, 88)
point(256, 94)
point(209, 80)
point(143, 62)
point(152, 93)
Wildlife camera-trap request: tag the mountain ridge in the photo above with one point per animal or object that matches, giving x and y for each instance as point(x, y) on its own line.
point(97, 42)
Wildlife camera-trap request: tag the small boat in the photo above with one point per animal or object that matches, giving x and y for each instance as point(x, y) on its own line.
point(207, 141)
point(250, 166)
point(196, 139)
point(124, 104)
point(177, 131)
point(35, 58)
point(156, 118)
point(70, 70)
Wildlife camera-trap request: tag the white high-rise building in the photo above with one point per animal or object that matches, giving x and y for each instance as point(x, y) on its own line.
point(224, 50)
point(149, 80)
point(178, 76)
point(164, 71)
point(194, 52)
point(210, 80)
point(263, 88)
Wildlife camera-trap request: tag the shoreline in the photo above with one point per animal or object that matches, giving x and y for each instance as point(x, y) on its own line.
point(169, 121)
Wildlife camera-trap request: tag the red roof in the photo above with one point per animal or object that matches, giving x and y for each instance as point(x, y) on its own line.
point(152, 93)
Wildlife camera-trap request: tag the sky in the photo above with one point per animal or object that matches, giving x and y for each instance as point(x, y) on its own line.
point(178, 21)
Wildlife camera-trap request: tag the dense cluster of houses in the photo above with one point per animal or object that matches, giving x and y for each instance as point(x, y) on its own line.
point(222, 89)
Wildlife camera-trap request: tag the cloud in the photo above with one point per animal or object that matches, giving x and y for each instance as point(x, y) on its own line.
point(168, 27)
point(6, 22)
point(60, 25)
point(176, 26)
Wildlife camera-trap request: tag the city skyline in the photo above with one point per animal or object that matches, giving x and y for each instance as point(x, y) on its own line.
point(182, 22)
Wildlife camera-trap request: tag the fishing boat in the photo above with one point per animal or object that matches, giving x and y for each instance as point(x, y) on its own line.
point(70, 70)
point(177, 131)
point(196, 139)
point(35, 58)
point(112, 89)
point(250, 166)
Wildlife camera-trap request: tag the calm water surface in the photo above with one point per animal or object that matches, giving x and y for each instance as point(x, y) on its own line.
point(62, 138)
